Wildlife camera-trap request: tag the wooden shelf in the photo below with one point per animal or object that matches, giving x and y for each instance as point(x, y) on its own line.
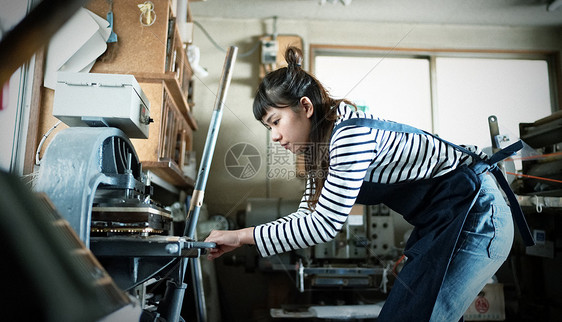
point(170, 172)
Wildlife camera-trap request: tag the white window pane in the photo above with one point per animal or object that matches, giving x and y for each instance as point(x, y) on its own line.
point(469, 90)
point(396, 89)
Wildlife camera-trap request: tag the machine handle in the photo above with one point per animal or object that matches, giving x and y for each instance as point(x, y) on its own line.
point(200, 245)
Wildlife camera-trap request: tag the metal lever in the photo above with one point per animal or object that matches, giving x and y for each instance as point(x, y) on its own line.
point(494, 132)
point(199, 245)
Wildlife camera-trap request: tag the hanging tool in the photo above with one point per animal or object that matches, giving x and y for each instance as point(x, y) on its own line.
point(494, 132)
point(148, 15)
point(113, 36)
point(112, 40)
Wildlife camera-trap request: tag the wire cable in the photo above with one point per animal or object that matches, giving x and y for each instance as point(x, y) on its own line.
point(533, 177)
point(246, 54)
point(37, 158)
point(149, 276)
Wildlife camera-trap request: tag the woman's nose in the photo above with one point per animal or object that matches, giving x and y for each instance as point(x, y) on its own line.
point(275, 135)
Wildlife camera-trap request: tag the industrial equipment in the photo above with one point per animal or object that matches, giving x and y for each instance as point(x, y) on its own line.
point(538, 185)
point(94, 179)
point(335, 279)
point(545, 135)
point(110, 100)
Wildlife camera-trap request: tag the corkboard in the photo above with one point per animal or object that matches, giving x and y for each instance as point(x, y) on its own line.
point(139, 48)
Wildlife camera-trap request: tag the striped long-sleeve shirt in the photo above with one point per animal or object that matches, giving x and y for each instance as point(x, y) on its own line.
point(357, 154)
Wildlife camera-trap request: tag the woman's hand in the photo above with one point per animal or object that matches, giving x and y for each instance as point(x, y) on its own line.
point(228, 240)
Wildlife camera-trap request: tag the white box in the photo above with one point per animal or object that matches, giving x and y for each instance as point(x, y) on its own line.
point(89, 99)
point(489, 305)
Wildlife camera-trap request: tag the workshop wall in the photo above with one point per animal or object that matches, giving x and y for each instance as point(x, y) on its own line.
point(225, 193)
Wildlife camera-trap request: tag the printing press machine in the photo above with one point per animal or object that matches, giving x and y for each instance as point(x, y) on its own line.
point(93, 177)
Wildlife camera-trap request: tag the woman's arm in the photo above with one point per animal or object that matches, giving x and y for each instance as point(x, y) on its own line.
point(352, 150)
point(350, 158)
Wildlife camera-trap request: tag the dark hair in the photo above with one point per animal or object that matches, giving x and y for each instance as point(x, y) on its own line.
point(285, 87)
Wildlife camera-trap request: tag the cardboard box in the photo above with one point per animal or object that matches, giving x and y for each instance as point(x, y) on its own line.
point(489, 305)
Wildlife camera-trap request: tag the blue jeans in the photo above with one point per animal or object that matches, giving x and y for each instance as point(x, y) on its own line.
point(483, 245)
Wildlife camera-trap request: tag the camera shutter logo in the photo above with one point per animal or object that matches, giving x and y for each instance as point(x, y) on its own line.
point(242, 161)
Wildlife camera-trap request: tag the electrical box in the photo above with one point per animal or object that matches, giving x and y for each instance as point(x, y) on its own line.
point(380, 230)
point(110, 100)
point(269, 51)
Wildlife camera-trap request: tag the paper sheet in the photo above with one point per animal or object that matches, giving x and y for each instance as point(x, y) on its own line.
point(76, 46)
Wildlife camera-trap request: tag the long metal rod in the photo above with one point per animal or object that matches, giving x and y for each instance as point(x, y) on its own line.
point(198, 289)
point(178, 290)
point(209, 149)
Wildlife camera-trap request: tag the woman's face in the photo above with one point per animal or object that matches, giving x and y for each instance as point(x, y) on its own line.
point(289, 127)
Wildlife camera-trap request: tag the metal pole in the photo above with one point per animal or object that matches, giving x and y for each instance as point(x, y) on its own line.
point(198, 289)
point(209, 149)
point(173, 310)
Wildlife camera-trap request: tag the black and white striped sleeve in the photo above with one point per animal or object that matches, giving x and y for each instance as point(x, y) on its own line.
point(352, 149)
point(474, 149)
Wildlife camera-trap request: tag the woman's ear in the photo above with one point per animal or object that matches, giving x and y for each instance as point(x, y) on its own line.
point(307, 105)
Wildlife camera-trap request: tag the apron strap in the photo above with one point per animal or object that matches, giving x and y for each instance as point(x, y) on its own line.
point(516, 211)
point(513, 203)
point(398, 127)
point(505, 153)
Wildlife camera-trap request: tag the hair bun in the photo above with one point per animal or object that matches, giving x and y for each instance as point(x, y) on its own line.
point(293, 57)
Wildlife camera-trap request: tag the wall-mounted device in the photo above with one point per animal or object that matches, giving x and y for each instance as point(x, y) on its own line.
point(269, 51)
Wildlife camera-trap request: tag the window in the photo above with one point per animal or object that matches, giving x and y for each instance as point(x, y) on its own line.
point(447, 94)
point(391, 88)
point(469, 90)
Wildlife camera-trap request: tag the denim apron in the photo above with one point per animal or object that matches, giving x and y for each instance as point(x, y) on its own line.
point(437, 208)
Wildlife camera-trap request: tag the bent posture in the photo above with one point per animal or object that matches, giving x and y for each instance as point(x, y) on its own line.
point(463, 228)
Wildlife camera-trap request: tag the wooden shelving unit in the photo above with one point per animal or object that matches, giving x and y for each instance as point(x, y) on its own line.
point(156, 56)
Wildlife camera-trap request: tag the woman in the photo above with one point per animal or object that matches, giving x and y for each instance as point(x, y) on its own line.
point(463, 229)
